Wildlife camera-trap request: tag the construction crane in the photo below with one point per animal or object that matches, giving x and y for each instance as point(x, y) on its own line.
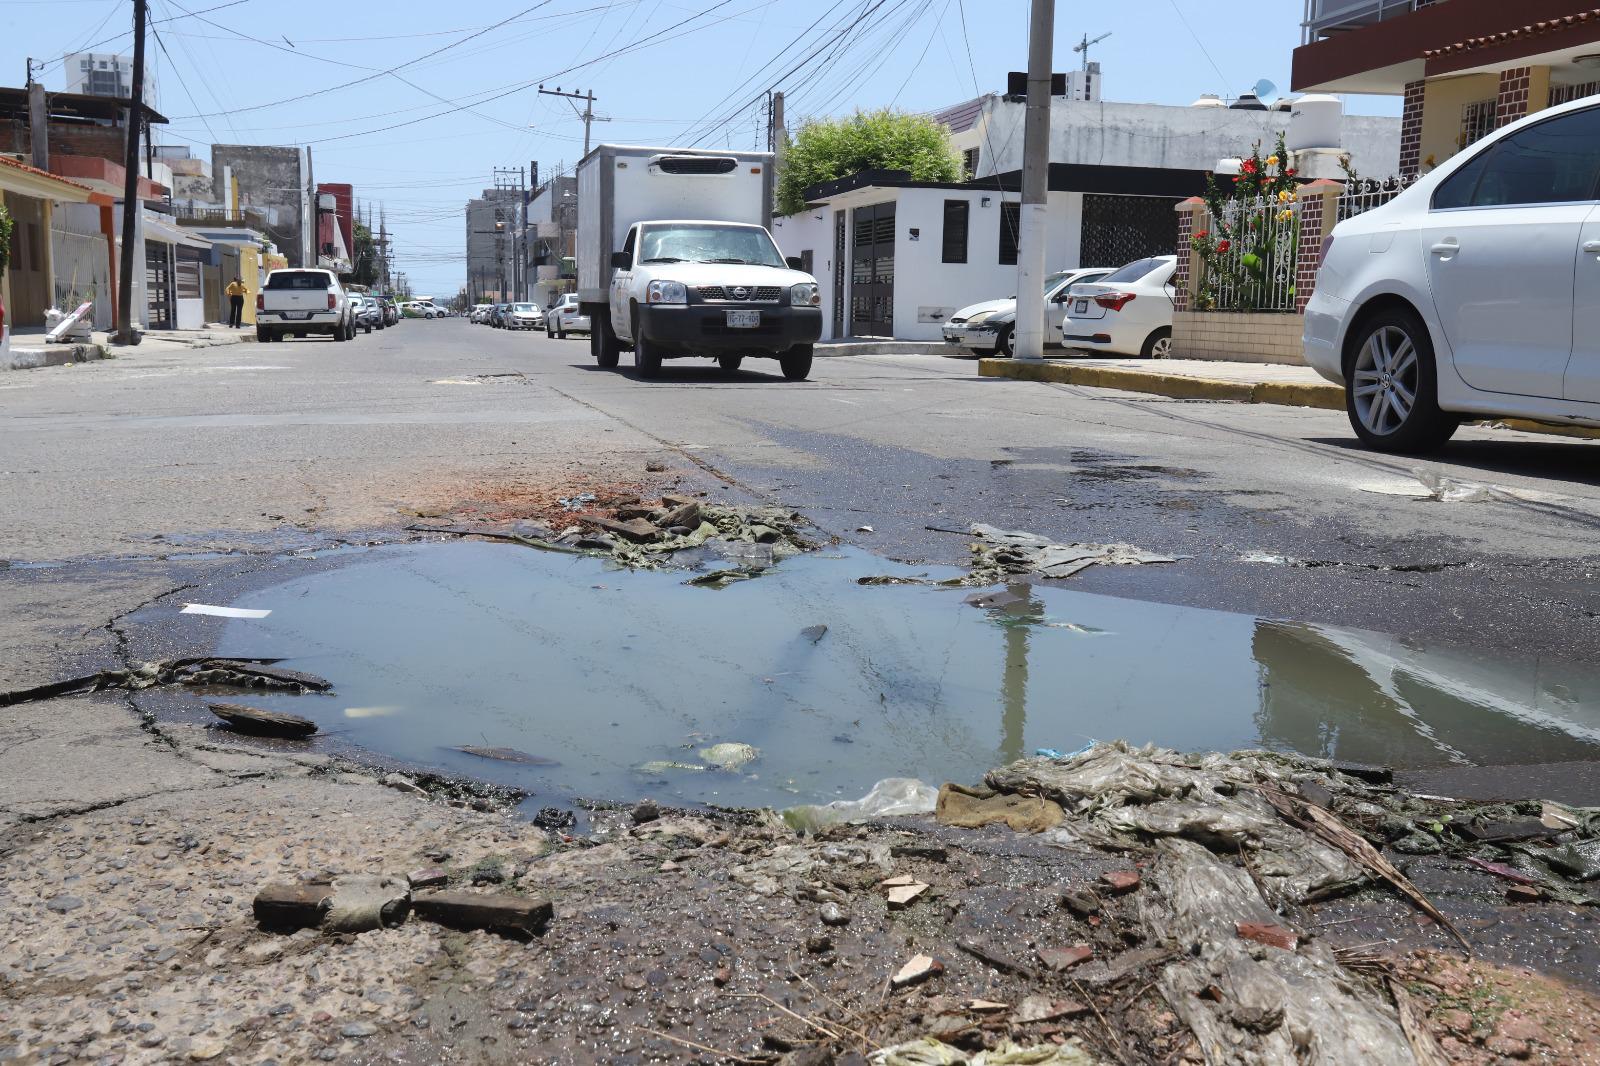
point(1083, 46)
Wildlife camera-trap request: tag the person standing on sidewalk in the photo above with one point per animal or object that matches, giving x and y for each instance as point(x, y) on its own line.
point(236, 293)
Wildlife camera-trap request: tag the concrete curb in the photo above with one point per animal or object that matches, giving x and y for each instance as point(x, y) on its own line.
point(831, 349)
point(55, 355)
point(1328, 397)
point(1324, 396)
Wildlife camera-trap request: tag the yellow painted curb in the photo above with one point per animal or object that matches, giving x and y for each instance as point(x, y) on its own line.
point(1523, 425)
point(1326, 396)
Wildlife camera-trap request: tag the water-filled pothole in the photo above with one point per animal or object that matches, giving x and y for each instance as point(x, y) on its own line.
point(623, 679)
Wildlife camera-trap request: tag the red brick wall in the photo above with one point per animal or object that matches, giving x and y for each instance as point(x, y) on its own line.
point(1305, 278)
point(1512, 103)
point(1411, 130)
point(103, 142)
point(1181, 278)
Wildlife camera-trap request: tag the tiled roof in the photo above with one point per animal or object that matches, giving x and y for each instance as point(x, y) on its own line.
point(1533, 30)
point(961, 117)
point(15, 165)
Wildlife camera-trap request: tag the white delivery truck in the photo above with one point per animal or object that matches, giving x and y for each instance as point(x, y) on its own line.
point(675, 259)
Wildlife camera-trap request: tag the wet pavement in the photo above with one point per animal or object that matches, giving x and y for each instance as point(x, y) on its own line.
point(615, 684)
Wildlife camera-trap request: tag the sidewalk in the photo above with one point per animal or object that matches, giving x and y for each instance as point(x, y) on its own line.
point(30, 352)
point(1205, 379)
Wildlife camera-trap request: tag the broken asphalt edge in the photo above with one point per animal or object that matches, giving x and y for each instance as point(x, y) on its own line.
point(1324, 396)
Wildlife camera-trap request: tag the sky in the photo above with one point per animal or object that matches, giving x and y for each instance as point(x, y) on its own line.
point(416, 107)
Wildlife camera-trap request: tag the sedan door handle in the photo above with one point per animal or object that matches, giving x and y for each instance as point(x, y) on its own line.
point(1448, 246)
point(1592, 247)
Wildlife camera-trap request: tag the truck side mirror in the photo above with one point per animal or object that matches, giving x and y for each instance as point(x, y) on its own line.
point(795, 262)
point(621, 260)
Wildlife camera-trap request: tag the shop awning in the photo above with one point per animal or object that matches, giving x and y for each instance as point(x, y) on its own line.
point(166, 233)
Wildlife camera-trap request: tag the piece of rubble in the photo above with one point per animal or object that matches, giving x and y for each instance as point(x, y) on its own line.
point(1274, 936)
point(646, 811)
point(637, 530)
point(431, 877)
point(918, 970)
point(1081, 902)
point(902, 896)
point(985, 1006)
point(655, 467)
point(497, 913)
point(261, 722)
point(686, 515)
point(1044, 1009)
point(1120, 881)
point(834, 915)
point(402, 783)
point(1059, 959)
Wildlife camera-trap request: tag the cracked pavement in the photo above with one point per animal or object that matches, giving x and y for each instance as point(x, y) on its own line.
point(155, 477)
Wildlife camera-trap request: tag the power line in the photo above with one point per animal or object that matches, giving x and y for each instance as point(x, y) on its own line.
point(179, 75)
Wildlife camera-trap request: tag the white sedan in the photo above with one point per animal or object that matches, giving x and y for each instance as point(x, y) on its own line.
point(988, 327)
point(524, 316)
point(566, 317)
point(1127, 312)
point(1474, 293)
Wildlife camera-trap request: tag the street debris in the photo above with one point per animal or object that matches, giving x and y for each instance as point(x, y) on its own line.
point(888, 798)
point(814, 633)
point(506, 755)
point(919, 969)
point(929, 1052)
point(257, 674)
point(902, 891)
point(222, 612)
point(972, 808)
point(260, 722)
point(998, 554)
point(359, 903)
point(732, 757)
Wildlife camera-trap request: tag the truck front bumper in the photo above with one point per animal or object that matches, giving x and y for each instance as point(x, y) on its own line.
point(697, 328)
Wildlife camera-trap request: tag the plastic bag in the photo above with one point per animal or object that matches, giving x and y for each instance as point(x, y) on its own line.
point(890, 797)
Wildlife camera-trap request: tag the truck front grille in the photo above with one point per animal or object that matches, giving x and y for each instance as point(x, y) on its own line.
point(765, 294)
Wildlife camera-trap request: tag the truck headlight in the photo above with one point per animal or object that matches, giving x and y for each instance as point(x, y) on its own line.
point(666, 292)
point(806, 294)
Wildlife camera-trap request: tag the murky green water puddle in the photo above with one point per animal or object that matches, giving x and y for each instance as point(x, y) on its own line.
point(623, 678)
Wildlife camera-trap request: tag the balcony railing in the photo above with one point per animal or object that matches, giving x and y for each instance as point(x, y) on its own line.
point(1323, 18)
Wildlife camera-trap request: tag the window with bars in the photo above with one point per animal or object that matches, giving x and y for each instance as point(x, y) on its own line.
point(1477, 122)
point(969, 162)
point(956, 216)
point(1010, 229)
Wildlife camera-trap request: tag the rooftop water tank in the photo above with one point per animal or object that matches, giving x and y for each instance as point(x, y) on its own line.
point(1248, 102)
point(1209, 100)
point(1315, 122)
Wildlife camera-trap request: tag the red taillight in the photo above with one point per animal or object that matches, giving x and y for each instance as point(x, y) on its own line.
point(261, 302)
point(1114, 301)
point(1322, 256)
point(333, 301)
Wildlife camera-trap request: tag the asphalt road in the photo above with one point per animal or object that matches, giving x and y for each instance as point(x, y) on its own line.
point(150, 463)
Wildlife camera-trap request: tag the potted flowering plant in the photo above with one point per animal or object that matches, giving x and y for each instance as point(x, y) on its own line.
point(1249, 254)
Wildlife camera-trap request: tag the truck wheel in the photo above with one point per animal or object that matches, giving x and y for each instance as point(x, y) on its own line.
point(262, 336)
point(646, 358)
point(730, 363)
point(339, 333)
point(603, 343)
point(796, 362)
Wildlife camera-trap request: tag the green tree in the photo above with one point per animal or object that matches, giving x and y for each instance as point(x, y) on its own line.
point(364, 258)
point(868, 140)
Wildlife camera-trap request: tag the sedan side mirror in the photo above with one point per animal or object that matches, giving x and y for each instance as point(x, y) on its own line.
point(795, 262)
point(621, 260)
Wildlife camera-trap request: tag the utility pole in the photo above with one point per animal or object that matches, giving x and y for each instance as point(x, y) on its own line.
point(316, 216)
point(1033, 226)
point(514, 181)
point(587, 114)
point(130, 185)
point(38, 122)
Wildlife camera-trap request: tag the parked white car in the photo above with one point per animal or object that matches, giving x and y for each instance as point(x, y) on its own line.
point(1473, 294)
point(525, 316)
point(988, 327)
point(1127, 312)
point(566, 317)
point(296, 302)
point(480, 313)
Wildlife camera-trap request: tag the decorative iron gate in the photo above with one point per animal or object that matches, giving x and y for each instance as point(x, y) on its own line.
point(1120, 229)
point(839, 249)
point(157, 286)
point(872, 272)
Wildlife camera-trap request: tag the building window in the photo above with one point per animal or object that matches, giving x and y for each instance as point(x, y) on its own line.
point(1010, 227)
point(806, 262)
point(1477, 122)
point(969, 164)
point(956, 213)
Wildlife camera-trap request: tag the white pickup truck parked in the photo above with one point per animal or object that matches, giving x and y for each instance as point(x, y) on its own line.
point(675, 260)
point(297, 302)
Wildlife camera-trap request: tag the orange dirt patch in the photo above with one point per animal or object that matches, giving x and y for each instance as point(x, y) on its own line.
point(1483, 1013)
point(486, 502)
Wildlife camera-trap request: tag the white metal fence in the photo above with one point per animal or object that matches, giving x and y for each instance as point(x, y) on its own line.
point(1256, 272)
point(1363, 194)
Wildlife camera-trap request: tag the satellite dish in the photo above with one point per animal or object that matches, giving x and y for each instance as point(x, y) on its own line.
point(1265, 90)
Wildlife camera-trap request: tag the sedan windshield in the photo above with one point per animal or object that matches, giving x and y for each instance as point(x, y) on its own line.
point(709, 244)
point(523, 308)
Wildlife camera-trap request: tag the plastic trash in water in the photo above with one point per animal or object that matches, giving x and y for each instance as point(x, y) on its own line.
point(222, 612)
point(1051, 753)
point(890, 797)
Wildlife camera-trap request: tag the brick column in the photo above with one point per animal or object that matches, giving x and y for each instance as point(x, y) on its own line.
point(1411, 130)
point(1319, 212)
point(1512, 101)
point(1191, 216)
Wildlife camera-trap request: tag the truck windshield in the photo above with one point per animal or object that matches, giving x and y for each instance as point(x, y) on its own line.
point(709, 244)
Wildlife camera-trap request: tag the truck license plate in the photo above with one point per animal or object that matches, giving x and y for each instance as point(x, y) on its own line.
point(297, 314)
point(744, 319)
